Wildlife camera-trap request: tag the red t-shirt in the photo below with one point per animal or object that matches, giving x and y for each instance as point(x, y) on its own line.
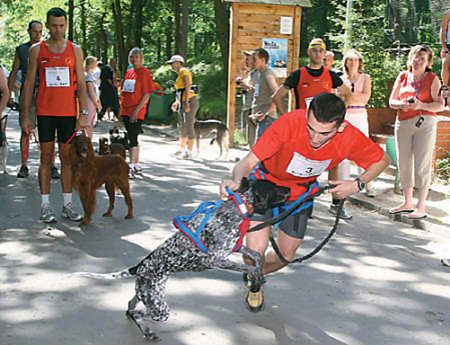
point(56, 90)
point(286, 153)
point(135, 84)
point(310, 86)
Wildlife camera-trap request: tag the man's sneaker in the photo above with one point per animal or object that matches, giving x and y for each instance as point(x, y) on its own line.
point(344, 214)
point(47, 214)
point(255, 299)
point(178, 153)
point(446, 261)
point(23, 172)
point(55, 173)
point(69, 213)
point(137, 169)
point(186, 155)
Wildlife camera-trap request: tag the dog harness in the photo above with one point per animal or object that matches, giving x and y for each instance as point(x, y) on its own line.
point(208, 208)
point(312, 188)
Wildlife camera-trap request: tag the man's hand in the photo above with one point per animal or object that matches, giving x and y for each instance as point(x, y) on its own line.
point(83, 121)
point(344, 188)
point(27, 126)
point(175, 105)
point(133, 117)
point(233, 185)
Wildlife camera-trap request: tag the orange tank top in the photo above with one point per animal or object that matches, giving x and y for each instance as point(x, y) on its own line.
point(310, 86)
point(421, 90)
point(56, 91)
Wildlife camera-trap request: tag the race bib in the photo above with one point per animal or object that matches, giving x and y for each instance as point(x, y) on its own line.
point(57, 76)
point(304, 167)
point(128, 85)
point(308, 101)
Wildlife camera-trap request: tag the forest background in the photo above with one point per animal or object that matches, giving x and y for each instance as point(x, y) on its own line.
point(198, 29)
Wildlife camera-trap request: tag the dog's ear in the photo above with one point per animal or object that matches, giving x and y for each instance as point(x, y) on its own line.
point(244, 186)
point(281, 195)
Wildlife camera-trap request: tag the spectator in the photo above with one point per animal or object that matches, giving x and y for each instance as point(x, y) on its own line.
point(137, 86)
point(295, 150)
point(360, 86)
point(328, 62)
point(310, 80)
point(263, 109)
point(20, 66)
point(416, 98)
point(57, 62)
point(108, 92)
point(4, 96)
point(247, 83)
point(93, 102)
point(186, 104)
point(445, 51)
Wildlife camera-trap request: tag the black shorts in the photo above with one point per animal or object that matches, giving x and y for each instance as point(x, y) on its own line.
point(133, 130)
point(64, 126)
point(294, 226)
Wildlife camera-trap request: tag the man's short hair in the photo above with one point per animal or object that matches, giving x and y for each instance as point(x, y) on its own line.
point(327, 108)
point(262, 54)
point(30, 24)
point(56, 12)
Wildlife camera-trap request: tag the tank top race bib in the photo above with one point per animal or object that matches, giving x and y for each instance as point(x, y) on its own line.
point(301, 166)
point(128, 85)
point(57, 77)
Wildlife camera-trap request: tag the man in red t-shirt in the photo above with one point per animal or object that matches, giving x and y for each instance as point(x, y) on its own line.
point(294, 151)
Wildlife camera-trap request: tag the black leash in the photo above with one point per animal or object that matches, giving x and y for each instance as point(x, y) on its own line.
point(286, 214)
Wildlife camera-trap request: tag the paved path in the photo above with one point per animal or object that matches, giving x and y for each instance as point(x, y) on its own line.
point(377, 282)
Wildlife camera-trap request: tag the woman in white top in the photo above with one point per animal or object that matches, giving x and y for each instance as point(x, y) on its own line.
point(360, 86)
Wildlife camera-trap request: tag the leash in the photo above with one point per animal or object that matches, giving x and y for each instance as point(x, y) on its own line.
point(303, 200)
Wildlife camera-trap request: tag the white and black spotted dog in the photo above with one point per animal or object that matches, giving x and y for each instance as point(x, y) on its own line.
point(178, 253)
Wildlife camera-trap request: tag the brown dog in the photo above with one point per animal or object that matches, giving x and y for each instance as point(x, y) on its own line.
point(104, 148)
point(89, 172)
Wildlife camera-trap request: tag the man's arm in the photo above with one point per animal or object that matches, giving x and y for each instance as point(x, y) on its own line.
point(13, 76)
point(272, 81)
point(443, 33)
point(278, 97)
point(81, 83)
point(240, 170)
point(3, 91)
point(349, 187)
point(28, 88)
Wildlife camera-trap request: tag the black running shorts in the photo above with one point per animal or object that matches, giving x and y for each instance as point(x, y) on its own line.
point(63, 126)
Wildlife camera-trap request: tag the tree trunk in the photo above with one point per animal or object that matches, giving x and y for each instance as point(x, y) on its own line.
point(120, 44)
point(104, 38)
point(184, 29)
point(83, 24)
point(169, 36)
point(138, 24)
point(222, 15)
point(177, 18)
point(71, 6)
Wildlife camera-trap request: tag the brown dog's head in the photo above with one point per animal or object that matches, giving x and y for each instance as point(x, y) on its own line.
point(81, 145)
point(263, 195)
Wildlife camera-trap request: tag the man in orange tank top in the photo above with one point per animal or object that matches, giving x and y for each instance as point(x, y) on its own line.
point(58, 62)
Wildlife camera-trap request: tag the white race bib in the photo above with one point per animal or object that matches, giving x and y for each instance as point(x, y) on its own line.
point(304, 167)
point(308, 101)
point(128, 85)
point(57, 76)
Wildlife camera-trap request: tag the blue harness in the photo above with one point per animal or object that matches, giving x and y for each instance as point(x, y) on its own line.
point(208, 208)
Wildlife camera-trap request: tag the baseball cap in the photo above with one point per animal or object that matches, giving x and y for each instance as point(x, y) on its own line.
point(317, 43)
point(176, 58)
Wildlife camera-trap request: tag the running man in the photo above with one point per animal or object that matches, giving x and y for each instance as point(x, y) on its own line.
point(293, 152)
point(57, 62)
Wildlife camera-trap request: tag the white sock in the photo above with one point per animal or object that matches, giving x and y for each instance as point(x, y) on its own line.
point(45, 199)
point(67, 198)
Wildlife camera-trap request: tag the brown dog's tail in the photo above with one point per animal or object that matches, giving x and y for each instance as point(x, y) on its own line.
point(102, 276)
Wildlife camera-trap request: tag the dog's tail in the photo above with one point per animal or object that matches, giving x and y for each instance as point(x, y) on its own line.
point(103, 276)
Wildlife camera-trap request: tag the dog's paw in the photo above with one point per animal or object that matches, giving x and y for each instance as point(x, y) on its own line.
point(85, 221)
point(129, 216)
point(107, 214)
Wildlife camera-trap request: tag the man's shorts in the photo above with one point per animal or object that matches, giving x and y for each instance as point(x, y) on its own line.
point(31, 114)
point(294, 226)
point(63, 126)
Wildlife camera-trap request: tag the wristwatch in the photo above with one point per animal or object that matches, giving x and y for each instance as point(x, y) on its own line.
point(84, 112)
point(361, 184)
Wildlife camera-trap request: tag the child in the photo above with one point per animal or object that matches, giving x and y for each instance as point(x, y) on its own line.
point(93, 104)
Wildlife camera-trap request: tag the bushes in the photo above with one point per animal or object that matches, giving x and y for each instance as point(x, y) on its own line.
point(443, 168)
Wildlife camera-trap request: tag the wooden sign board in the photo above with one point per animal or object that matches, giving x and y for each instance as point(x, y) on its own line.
point(251, 22)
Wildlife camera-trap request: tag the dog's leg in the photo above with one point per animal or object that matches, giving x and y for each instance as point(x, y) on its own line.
point(124, 187)
point(87, 197)
point(111, 190)
point(138, 319)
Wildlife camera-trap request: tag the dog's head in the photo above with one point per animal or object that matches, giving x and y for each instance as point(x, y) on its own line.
point(103, 146)
point(263, 195)
point(81, 145)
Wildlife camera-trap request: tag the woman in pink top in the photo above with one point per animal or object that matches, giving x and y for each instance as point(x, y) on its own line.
point(360, 86)
point(416, 98)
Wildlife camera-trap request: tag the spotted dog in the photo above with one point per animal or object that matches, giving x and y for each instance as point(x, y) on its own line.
point(178, 253)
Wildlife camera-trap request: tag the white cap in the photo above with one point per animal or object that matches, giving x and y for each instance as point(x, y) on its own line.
point(176, 58)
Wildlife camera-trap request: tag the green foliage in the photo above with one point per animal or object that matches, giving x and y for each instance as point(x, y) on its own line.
point(443, 168)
